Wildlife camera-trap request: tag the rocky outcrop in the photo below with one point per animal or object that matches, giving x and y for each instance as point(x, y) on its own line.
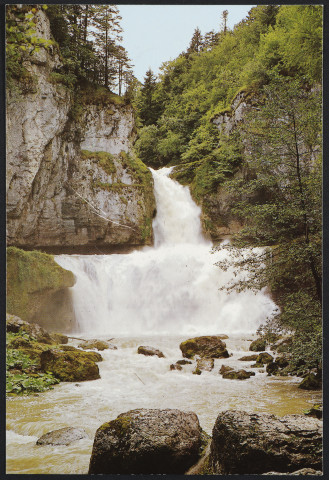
point(62, 436)
point(147, 442)
point(71, 366)
point(15, 324)
point(72, 179)
point(38, 290)
point(206, 346)
point(150, 351)
point(244, 443)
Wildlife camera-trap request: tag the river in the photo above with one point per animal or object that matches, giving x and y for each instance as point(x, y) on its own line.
point(157, 296)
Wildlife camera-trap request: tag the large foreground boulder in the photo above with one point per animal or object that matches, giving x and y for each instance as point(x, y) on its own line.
point(71, 366)
point(62, 436)
point(244, 443)
point(207, 346)
point(147, 441)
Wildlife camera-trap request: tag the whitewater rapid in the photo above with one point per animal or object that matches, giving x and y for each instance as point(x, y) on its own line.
point(171, 288)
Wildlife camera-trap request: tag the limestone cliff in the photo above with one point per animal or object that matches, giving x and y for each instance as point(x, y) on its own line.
point(72, 180)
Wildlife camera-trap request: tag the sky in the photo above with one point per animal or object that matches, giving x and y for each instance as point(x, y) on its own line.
point(154, 34)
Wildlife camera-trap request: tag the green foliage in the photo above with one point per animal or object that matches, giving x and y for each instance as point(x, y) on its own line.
point(104, 159)
point(21, 374)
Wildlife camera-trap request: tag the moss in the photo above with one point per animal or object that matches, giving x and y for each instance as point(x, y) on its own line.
point(30, 275)
point(104, 159)
point(91, 94)
point(120, 425)
point(146, 229)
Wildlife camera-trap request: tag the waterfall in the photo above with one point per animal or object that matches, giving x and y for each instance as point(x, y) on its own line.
point(169, 289)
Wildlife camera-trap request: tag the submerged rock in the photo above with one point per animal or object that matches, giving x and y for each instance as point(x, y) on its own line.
point(205, 364)
point(176, 366)
point(150, 351)
point(184, 362)
point(224, 369)
point(238, 375)
point(94, 344)
point(63, 436)
point(248, 358)
point(258, 345)
point(147, 441)
point(71, 366)
point(206, 347)
point(245, 443)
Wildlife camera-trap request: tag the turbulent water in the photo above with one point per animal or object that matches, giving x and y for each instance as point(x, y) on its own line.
point(171, 288)
point(157, 296)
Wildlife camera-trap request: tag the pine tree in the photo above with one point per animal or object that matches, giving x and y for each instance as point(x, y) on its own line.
point(196, 42)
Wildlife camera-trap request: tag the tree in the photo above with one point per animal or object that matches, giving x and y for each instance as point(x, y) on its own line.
point(196, 42)
point(281, 205)
point(224, 20)
point(148, 109)
point(106, 21)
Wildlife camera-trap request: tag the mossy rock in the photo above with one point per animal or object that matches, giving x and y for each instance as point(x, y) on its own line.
point(264, 358)
point(257, 345)
point(94, 344)
point(70, 366)
point(315, 411)
point(248, 358)
point(206, 346)
point(238, 375)
point(311, 382)
point(31, 278)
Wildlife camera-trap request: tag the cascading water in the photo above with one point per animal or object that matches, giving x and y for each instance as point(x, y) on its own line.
point(171, 288)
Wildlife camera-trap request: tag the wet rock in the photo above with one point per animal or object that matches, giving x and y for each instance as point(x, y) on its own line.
point(197, 371)
point(205, 364)
point(70, 366)
point(264, 358)
point(225, 369)
point(244, 443)
point(184, 362)
point(238, 375)
point(94, 344)
point(311, 382)
point(147, 441)
point(63, 436)
point(248, 358)
point(150, 351)
point(175, 366)
point(282, 361)
point(257, 345)
point(257, 365)
point(272, 368)
point(276, 367)
point(206, 347)
point(315, 411)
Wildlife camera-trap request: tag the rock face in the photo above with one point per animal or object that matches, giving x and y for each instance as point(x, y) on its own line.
point(38, 290)
point(147, 442)
point(63, 436)
point(150, 351)
point(206, 346)
point(72, 179)
point(71, 366)
point(244, 443)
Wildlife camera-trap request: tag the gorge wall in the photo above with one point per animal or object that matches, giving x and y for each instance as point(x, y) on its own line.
point(73, 181)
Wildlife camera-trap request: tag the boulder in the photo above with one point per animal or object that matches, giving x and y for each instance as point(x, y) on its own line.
point(311, 382)
point(250, 443)
point(94, 344)
point(147, 441)
point(224, 369)
point(264, 358)
point(70, 366)
point(237, 375)
point(150, 351)
point(272, 368)
point(206, 347)
point(258, 345)
point(176, 366)
point(63, 436)
point(59, 338)
point(248, 358)
point(35, 331)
